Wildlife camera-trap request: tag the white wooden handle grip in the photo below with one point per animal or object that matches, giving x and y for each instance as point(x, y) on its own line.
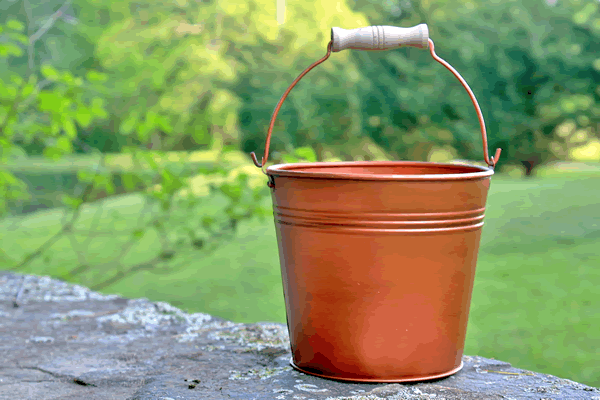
point(379, 37)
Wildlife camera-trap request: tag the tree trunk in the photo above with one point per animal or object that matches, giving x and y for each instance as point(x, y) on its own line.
point(529, 165)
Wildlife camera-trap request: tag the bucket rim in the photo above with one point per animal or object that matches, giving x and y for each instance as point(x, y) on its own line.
point(303, 170)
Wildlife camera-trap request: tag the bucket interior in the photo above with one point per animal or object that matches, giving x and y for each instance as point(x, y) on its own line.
point(380, 170)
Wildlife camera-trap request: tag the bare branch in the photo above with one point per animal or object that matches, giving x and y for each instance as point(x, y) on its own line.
point(30, 49)
point(47, 244)
point(155, 265)
point(79, 270)
point(51, 21)
point(66, 227)
point(122, 274)
point(75, 247)
point(70, 19)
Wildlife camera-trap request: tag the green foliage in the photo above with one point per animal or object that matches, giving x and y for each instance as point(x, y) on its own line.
point(530, 64)
point(47, 35)
point(325, 106)
point(529, 78)
point(305, 154)
point(42, 108)
point(152, 56)
point(180, 82)
point(56, 112)
point(172, 82)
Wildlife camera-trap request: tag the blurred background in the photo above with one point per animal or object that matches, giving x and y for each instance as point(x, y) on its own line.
point(125, 129)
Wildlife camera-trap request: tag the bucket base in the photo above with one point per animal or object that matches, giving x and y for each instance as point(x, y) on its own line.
point(412, 379)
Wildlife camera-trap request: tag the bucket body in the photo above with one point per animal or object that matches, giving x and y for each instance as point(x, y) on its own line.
point(378, 261)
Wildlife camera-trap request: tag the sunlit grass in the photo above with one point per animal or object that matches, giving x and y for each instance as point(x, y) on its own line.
point(534, 302)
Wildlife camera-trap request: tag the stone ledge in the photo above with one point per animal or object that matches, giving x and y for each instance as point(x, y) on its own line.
point(65, 342)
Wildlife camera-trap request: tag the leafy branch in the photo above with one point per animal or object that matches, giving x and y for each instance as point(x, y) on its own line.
point(49, 23)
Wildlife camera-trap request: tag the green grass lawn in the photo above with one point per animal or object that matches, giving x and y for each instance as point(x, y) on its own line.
point(535, 301)
point(535, 298)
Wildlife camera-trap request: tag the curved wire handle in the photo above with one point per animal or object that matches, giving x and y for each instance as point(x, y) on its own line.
point(274, 116)
point(491, 162)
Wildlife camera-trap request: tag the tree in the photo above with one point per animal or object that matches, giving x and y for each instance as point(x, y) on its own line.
point(41, 108)
point(48, 110)
point(176, 71)
point(531, 65)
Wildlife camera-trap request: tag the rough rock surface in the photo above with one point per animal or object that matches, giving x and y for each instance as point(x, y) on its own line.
point(66, 342)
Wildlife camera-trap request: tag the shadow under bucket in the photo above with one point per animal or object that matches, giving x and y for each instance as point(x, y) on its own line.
point(378, 258)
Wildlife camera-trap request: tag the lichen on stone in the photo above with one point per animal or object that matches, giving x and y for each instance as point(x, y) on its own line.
point(543, 389)
point(255, 337)
point(154, 315)
point(392, 392)
point(71, 315)
point(257, 373)
point(41, 339)
point(561, 382)
point(210, 348)
point(44, 288)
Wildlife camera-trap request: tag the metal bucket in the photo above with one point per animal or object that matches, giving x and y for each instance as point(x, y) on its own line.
point(378, 259)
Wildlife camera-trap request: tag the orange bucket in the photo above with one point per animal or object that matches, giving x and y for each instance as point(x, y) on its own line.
point(378, 258)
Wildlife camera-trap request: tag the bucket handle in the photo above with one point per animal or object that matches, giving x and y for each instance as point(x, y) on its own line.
point(381, 38)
